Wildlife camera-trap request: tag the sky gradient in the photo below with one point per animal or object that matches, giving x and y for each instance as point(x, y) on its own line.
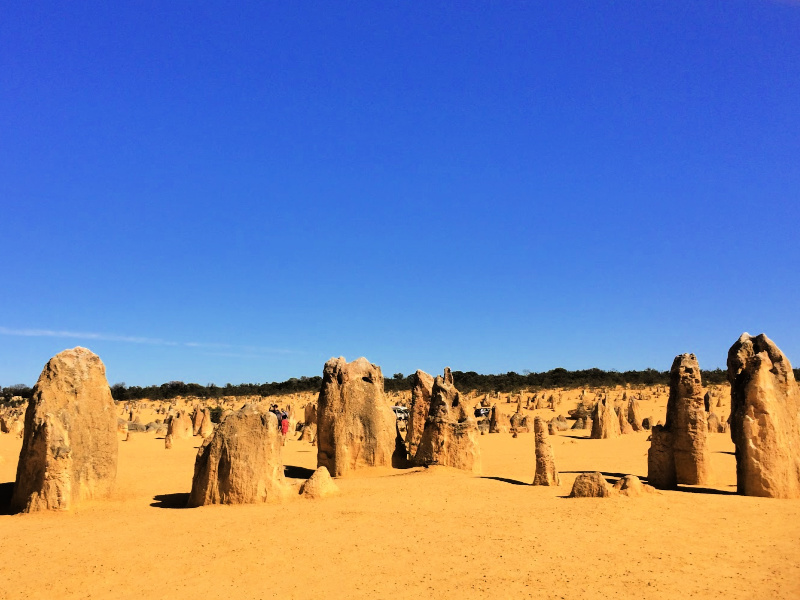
point(236, 192)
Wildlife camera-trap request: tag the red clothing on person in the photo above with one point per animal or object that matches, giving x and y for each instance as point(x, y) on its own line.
point(285, 426)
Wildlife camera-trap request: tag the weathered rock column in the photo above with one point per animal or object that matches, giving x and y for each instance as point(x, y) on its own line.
point(450, 437)
point(355, 425)
point(765, 419)
point(546, 473)
point(69, 446)
point(421, 391)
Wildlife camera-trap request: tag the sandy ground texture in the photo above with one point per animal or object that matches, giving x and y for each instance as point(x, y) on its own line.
point(417, 533)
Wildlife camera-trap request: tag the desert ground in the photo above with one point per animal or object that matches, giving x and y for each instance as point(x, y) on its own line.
point(410, 533)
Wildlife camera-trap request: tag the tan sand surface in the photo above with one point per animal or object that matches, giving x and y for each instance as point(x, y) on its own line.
point(418, 533)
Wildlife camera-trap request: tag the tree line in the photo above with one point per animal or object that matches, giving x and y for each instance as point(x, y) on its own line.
point(465, 381)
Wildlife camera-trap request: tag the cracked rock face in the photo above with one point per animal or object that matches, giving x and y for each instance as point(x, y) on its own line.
point(69, 446)
point(765, 419)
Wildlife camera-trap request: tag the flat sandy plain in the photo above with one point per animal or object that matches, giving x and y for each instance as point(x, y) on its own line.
point(416, 533)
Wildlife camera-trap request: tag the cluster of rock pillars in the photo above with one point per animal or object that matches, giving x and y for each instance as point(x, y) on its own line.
point(70, 445)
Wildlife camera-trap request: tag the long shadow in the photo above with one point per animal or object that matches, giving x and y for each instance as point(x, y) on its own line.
point(507, 480)
point(293, 472)
point(702, 490)
point(606, 474)
point(576, 437)
point(726, 452)
point(178, 500)
point(6, 490)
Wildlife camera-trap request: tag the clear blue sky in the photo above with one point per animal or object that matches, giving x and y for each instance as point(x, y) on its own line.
point(237, 191)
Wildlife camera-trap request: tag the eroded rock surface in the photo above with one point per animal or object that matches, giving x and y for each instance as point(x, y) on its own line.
point(69, 445)
point(765, 419)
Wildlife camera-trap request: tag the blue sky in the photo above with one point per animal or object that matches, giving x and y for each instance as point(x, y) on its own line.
point(235, 192)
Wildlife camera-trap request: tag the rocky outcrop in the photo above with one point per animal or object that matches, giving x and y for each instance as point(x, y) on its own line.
point(684, 436)
point(498, 422)
point(590, 485)
point(635, 414)
point(714, 424)
point(546, 473)
point(69, 445)
point(421, 390)
point(355, 425)
point(319, 485)
point(450, 437)
point(631, 486)
point(180, 427)
point(605, 422)
point(625, 427)
point(241, 463)
point(765, 419)
point(206, 425)
point(661, 460)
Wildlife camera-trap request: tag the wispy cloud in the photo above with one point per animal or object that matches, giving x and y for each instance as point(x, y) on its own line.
point(132, 339)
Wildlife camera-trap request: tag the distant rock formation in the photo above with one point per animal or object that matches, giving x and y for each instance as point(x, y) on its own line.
point(180, 426)
point(355, 425)
point(546, 473)
point(605, 422)
point(206, 425)
point(241, 463)
point(69, 445)
point(765, 419)
point(450, 437)
point(635, 414)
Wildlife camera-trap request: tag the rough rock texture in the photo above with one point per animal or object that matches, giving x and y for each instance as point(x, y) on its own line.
point(546, 473)
point(631, 486)
point(590, 485)
point(421, 390)
point(519, 423)
point(765, 419)
point(319, 485)
point(661, 460)
point(605, 422)
point(355, 425)
point(241, 462)
point(180, 427)
point(686, 420)
point(69, 445)
point(679, 449)
point(635, 414)
point(624, 424)
point(450, 437)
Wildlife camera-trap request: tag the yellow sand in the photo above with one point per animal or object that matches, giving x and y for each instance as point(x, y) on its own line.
point(420, 533)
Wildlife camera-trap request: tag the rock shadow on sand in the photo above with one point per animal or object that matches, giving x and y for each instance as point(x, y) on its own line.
point(507, 480)
point(6, 489)
point(179, 500)
point(293, 472)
